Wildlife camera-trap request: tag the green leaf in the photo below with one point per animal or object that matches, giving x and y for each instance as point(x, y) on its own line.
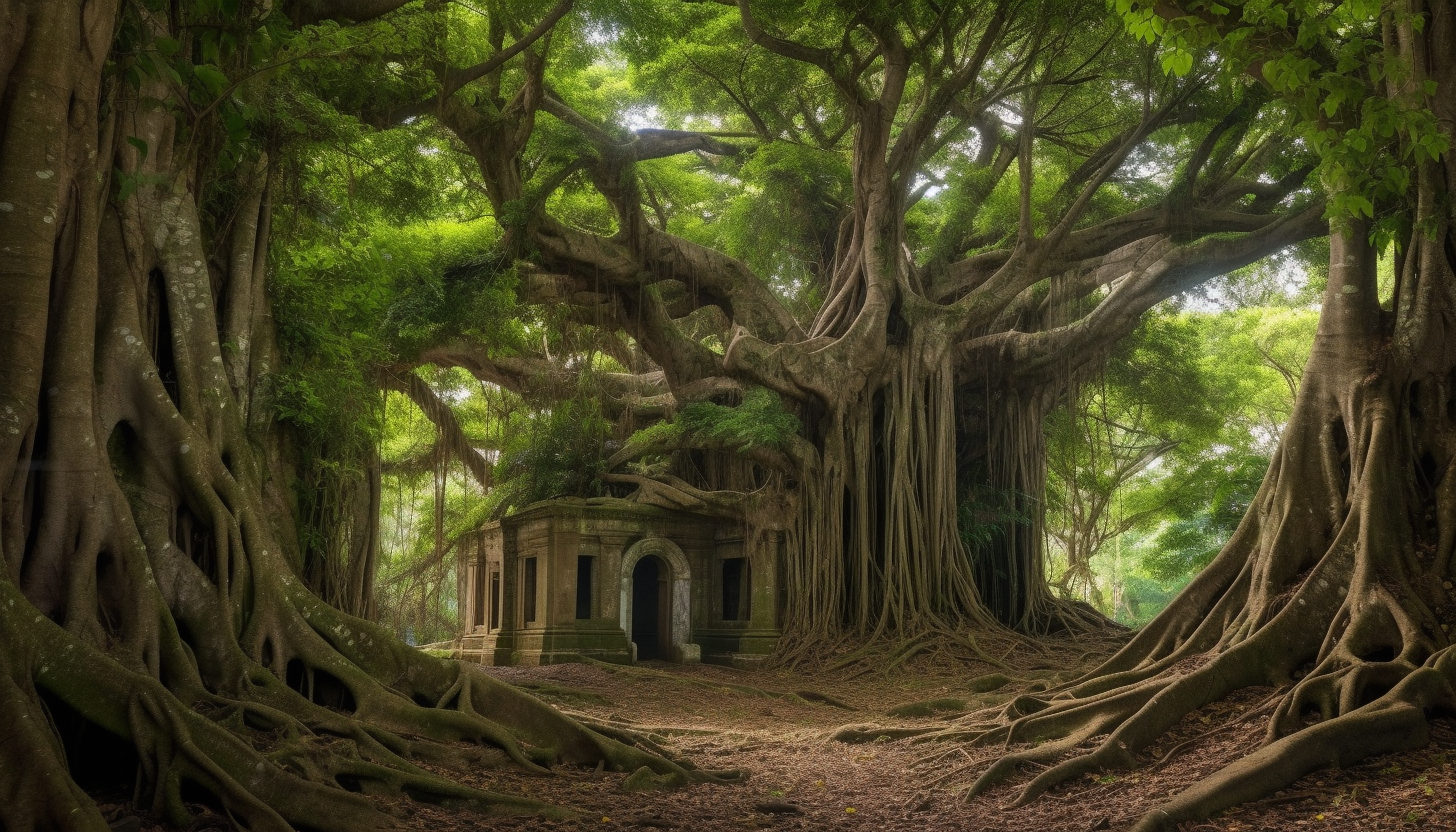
point(212, 78)
point(140, 145)
point(126, 185)
point(1180, 62)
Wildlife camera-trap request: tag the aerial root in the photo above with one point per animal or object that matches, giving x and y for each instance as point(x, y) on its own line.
point(1395, 721)
point(1131, 718)
point(644, 739)
point(272, 758)
point(1050, 720)
point(472, 725)
point(650, 740)
point(1063, 725)
point(35, 789)
point(1032, 720)
point(1335, 692)
point(175, 744)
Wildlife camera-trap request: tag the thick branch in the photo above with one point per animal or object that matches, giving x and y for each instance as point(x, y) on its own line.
point(1178, 270)
point(438, 412)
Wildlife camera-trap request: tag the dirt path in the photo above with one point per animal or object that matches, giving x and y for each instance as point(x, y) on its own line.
point(797, 779)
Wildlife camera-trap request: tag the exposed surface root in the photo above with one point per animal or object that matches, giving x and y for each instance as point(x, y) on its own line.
point(1336, 590)
point(797, 781)
point(272, 759)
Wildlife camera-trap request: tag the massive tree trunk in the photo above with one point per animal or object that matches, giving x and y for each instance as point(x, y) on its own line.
point(154, 633)
point(1337, 588)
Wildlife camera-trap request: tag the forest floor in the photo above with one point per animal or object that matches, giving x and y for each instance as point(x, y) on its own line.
point(800, 780)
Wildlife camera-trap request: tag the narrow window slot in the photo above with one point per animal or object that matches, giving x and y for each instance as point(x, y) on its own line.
point(584, 586)
point(528, 589)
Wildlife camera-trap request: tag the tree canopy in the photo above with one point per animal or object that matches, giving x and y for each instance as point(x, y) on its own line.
point(829, 270)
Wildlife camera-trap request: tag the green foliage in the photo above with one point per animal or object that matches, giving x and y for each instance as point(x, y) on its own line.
point(346, 306)
point(789, 214)
point(384, 252)
point(206, 69)
point(462, 287)
point(760, 420)
point(1156, 465)
point(558, 452)
point(1356, 100)
point(1186, 544)
point(1141, 598)
point(415, 587)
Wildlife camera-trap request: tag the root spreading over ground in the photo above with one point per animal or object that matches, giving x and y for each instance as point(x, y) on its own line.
point(797, 779)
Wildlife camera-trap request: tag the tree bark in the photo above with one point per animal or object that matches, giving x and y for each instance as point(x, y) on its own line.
point(1337, 587)
point(147, 590)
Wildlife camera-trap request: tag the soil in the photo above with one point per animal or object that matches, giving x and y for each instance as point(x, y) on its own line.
point(798, 779)
point(783, 746)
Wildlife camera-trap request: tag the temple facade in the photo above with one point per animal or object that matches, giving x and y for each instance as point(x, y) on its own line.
point(615, 581)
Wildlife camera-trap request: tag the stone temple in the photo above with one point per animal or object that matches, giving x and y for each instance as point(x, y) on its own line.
point(572, 579)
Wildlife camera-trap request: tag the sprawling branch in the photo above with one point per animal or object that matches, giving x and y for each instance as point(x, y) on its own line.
point(453, 79)
point(457, 78)
point(824, 59)
point(907, 153)
point(1175, 269)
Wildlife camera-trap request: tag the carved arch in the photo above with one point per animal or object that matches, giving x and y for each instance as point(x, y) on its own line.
point(680, 593)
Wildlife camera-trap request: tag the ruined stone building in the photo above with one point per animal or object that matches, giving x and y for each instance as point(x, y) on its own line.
point(615, 581)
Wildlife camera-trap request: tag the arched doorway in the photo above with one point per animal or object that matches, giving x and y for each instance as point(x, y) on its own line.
point(651, 604)
point(656, 578)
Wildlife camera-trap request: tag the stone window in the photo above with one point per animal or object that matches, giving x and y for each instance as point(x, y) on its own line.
point(584, 586)
point(479, 579)
point(528, 589)
point(735, 589)
point(495, 600)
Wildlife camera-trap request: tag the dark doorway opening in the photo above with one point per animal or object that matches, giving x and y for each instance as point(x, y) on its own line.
point(528, 591)
point(650, 608)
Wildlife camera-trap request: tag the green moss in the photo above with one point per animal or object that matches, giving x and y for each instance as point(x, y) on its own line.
point(988, 683)
point(929, 707)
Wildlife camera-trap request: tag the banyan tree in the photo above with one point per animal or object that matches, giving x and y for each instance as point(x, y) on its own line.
point(887, 236)
point(1336, 589)
point(910, 227)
